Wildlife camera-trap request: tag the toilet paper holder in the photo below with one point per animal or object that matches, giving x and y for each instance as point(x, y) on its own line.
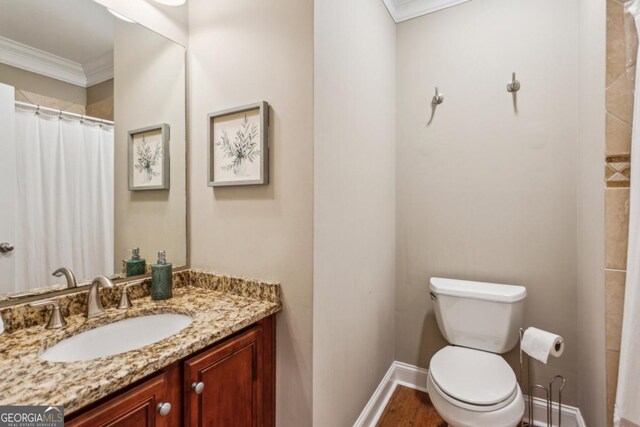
point(547, 392)
point(558, 345)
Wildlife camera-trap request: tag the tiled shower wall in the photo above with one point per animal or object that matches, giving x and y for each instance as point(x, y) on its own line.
point(102, 109)
point(621, 53)
point(49, 102)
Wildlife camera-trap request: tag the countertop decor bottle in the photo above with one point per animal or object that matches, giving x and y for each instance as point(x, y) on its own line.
point(135, 266)
point(161, 278)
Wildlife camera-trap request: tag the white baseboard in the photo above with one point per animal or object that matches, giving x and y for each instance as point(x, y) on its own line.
point(398, 373)
point(416, 378)
point(571, 416)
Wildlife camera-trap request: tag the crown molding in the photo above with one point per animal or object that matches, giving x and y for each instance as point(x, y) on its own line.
point(401, 10)
point(99, 69)
point(40, 62)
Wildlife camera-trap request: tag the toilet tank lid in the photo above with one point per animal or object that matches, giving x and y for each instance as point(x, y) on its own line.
point(477, 290)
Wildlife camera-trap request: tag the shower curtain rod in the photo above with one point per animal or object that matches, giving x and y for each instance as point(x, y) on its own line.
point(65, 113)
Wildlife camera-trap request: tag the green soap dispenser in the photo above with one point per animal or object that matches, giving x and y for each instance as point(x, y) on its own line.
point(161, 279)
point(135, 266)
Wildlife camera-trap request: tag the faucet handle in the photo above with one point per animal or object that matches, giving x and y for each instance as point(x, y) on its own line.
point(125, 302)
point(56, 320)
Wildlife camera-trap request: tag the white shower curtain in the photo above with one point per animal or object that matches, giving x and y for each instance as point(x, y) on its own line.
point(627, 406)
point(64, 206)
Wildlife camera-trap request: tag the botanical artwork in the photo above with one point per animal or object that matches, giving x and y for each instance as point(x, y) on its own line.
point(237, 146)
point(243, 149)
point(147, 161)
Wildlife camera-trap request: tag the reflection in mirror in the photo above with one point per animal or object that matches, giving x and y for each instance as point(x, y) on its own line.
point(75, 81)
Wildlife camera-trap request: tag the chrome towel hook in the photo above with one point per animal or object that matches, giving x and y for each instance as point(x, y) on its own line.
point(438, 98)
point(514, 84)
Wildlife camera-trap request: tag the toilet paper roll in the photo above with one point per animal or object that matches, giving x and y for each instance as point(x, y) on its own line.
point(540, 344)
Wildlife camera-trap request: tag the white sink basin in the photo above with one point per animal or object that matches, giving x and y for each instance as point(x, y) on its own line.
point(117, 337)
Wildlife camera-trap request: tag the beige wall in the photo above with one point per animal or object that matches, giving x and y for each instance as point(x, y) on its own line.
point(591, 357)
point(354, 205)
point(100, 92)
point(149, 90)
point(100, 100)
point(42, 85)
point(242, 51)
point(590, 289)
point(485, 193)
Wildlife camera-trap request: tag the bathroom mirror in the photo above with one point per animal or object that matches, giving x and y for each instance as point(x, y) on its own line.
point(89, 101)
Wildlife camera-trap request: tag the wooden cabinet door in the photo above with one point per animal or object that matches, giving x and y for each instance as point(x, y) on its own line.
point(138, 407)
point(232, 375)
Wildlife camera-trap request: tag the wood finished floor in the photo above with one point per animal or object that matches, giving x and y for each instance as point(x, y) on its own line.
point(409, 407)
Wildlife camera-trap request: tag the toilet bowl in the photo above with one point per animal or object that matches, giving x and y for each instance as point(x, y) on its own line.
point(469, 383)
point(473, 388)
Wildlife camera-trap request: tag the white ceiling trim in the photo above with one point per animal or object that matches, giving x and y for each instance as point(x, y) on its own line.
point(38, 61)
point(401, 10)
point(99, 70)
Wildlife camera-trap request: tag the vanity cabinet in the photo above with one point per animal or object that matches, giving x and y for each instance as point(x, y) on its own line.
point(231, 384)
point(146, 405)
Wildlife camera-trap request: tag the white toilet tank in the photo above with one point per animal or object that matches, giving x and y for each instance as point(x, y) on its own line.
point(484, 316)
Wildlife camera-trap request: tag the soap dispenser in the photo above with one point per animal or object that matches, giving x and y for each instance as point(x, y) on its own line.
point(161, 278)
point(135, 266)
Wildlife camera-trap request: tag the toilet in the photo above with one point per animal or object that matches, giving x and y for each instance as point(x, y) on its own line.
point(469, 383)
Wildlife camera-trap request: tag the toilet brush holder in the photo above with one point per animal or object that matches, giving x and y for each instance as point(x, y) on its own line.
point(545, 392)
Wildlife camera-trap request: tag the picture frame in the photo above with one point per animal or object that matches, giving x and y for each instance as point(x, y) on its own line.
point(238, 146)
point(149, 159)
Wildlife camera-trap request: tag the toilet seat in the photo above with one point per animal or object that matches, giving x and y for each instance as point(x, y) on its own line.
point(457, 416)
point(432, 386)
point(473, 379)
point(474, 388)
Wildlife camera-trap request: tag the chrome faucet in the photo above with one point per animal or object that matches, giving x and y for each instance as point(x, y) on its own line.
point(94, 306)
point(71, 279)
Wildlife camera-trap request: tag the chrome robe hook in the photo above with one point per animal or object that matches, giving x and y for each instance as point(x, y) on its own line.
point(438, 98)
point(514, 84)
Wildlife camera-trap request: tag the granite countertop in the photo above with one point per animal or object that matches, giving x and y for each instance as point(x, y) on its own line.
point(219, 305)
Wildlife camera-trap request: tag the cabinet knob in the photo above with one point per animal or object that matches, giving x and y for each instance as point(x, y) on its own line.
point(164, 408)
point(197, 387)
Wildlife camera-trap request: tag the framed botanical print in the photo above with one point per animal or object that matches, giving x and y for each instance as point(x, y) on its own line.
point(238, 146)
point(149, 158)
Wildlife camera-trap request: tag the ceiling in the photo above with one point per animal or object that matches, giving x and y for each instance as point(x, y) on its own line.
point(72, 34)
point(72, 40)
point(401, 10)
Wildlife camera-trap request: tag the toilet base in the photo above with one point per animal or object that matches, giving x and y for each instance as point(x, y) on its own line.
point(455, 416)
